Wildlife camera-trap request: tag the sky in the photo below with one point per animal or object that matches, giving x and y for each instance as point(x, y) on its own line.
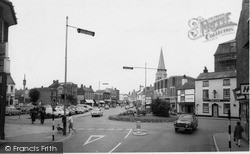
point(127, 33)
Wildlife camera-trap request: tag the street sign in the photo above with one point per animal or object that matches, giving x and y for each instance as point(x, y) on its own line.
point(126, 67)
point(79, 30)
point(244, 89)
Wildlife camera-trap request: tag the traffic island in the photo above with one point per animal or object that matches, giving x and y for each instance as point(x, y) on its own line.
point(138, 131)
point(143, 119)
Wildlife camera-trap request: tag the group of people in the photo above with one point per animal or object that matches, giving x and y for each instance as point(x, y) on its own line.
point(37, 112)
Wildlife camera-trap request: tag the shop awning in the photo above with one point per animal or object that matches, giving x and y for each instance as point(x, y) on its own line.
point(89, 101)
point(101, 102)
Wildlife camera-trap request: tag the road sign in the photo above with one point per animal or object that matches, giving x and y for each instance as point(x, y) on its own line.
point(79, 30)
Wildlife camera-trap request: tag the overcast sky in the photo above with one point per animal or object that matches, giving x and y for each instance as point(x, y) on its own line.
point(128, 33)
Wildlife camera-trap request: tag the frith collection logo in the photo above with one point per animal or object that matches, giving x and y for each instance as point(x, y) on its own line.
point(210, 28)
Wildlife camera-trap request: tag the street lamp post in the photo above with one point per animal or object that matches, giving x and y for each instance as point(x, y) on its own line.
point(79, 30)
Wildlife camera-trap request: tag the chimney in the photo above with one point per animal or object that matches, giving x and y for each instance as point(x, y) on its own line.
point(184, 80)
point(205, 70)
point(90, 87)
point(81, 85)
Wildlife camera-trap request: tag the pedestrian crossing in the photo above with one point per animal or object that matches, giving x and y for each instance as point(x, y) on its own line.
point(102, 129)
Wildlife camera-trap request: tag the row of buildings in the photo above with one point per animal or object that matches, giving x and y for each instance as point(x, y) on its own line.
point(55, 93)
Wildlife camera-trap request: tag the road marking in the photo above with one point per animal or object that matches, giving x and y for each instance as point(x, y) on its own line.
point(215, 143)
point(97, 137)
point(119, 129)
point(115, 147)
point(79, 129)
point(110, 129)
point(128, 133)
point(90, 128)
point(100, 129)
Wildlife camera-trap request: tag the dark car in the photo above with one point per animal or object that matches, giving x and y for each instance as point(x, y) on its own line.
point(186, 122)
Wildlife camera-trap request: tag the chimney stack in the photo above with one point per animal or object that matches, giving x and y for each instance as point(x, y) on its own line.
point(205, 70)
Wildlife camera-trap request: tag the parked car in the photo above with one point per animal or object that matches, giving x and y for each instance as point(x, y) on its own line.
point(127, 107)
point(57, 112)
point(80, 110)
point(12, 110)
point(72, 110)
point(185, 122)
point(96, 112)
point(85, 106)
point(106, 107)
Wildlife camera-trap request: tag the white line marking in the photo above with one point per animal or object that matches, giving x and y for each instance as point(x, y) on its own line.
point(64, 138)
point(115, 147)
point(97, 137)
point(110, 129)
point(100, 129)
point(128, 133)
point(90, 128)
point(215, 143)
point(118, 129)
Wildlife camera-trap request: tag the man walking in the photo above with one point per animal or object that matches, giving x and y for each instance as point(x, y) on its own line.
point(238, 133)
point(70, 121)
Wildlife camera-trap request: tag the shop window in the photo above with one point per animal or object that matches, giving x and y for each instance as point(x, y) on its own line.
point(182, 98)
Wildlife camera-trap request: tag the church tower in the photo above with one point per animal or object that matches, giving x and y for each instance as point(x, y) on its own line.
point(161, 71)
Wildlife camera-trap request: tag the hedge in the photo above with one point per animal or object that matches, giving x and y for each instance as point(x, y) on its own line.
point(143, 118)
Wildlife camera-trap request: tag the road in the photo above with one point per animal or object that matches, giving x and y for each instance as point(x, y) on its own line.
point(98, 134)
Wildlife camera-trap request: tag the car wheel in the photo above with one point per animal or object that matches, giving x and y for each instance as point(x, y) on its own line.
point(176, 130)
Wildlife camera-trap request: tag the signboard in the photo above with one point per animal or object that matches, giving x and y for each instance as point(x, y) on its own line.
point(244, 89)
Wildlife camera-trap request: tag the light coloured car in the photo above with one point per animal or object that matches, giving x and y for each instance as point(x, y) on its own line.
point(96, 112)
point(11, 110)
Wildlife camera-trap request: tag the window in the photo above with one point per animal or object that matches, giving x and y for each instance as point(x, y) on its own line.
point(172, 91)
point(226, 93)
point(205, 94)
point(226, 82)
point(182, 98)
point(182, 91)
point(205, 108)
point(226, 107)
point(11, 89)
point(205, 84)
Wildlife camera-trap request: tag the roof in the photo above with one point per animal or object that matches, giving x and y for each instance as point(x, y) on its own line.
point(188, 85)
point(216, 75)
point(100, 91)
point(10, 80)
point(87, 89)
point(80, 91)
point(226, 47)
point(9, 14)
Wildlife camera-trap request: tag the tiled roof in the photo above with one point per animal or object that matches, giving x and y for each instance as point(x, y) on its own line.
point(216, 75)
point(188, 85)
point(80, 91)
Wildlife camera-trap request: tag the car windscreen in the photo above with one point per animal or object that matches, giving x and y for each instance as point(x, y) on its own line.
point(185, 118)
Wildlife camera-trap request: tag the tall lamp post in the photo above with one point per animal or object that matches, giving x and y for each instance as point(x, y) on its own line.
point(131, 68)
point(79, 30)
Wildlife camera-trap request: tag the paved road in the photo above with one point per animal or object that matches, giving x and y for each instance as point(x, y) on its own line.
point(98, 134)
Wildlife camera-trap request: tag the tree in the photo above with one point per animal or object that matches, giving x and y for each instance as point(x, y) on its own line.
point(72, 99)
point(34, 95)
point(160, 107)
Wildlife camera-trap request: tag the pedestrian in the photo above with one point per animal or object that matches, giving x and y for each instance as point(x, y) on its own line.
point(238, 133)
point(33, 115)
point(42, 115)
point(70, 121)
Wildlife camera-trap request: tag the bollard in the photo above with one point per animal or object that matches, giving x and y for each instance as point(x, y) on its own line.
point(138, 126)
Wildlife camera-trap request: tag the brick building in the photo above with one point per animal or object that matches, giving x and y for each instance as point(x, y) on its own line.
point(242, 65)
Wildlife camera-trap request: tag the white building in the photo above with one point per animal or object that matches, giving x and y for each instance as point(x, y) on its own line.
point(186, 97)
point(214, 94)
point(10, 91)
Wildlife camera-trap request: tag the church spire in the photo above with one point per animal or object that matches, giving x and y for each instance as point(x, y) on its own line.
point(161, 64)
point(161, 72)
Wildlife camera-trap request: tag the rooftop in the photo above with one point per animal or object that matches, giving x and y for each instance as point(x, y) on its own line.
point(216, 75)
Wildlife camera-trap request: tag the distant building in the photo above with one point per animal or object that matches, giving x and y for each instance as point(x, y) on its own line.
point(10, 91)
point(186, 97)
point(45, 95)
point(166, 88)
point(80, 95)
point(89, 95)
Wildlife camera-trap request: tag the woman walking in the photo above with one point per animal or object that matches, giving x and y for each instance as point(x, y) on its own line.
point(238, 133)
point(70, 121)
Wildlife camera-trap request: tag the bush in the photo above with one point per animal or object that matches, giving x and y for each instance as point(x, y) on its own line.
point(160, 107)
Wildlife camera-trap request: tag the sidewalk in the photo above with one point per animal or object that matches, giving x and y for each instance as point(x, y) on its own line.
point(221, 142)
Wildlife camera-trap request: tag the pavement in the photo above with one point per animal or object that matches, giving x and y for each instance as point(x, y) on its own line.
point(21, 130)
